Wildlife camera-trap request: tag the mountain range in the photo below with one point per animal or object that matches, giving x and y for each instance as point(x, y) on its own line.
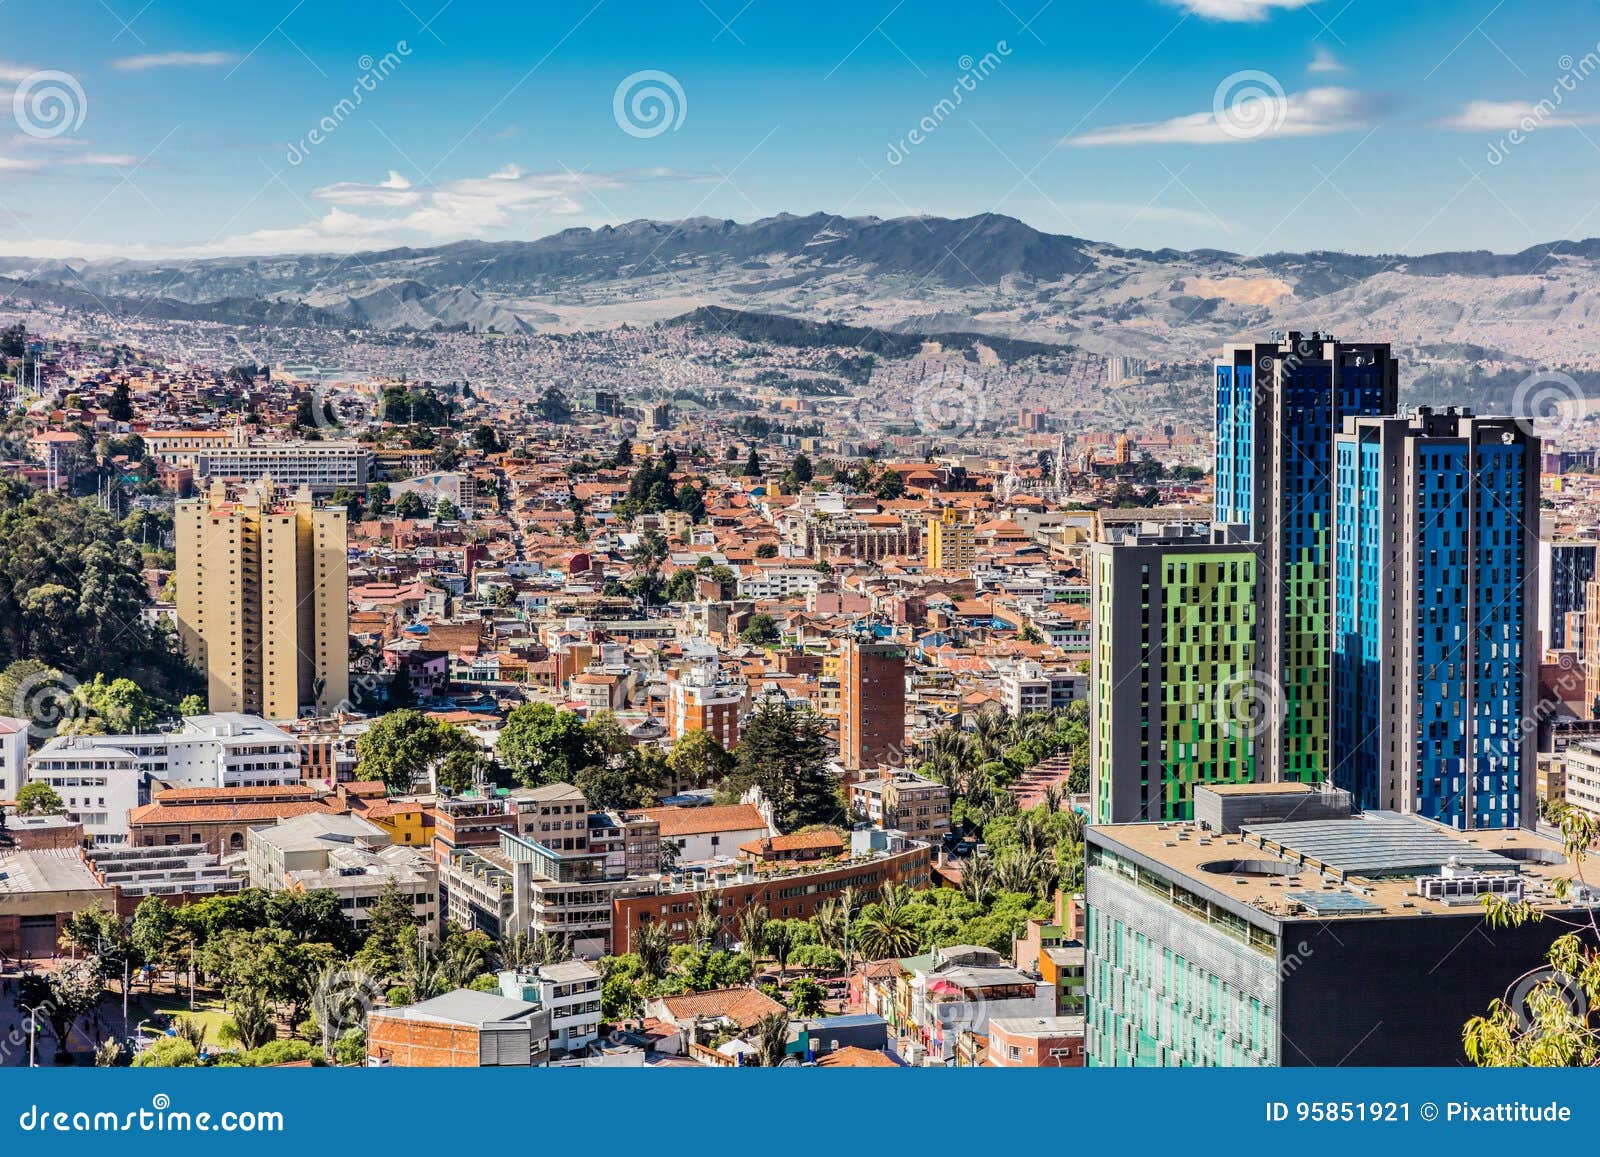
point(989, 274)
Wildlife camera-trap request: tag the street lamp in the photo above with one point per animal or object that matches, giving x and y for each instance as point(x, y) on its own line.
point(33, 1030)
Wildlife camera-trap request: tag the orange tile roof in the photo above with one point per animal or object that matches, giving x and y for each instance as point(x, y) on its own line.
point(695, 821)
point(853, 1057)
point(742, 1006)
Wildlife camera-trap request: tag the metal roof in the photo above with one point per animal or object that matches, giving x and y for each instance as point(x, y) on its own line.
point(1375, 846)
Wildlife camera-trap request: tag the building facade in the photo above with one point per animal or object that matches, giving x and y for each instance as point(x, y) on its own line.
point(872, 703)
point(1435, 664)
point(1278, 406)
point(1177, 700)
point(262, 601)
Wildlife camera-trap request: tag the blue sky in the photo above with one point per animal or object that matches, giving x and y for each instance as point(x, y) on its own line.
point(1249, 125)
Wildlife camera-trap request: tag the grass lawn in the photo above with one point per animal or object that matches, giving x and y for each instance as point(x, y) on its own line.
point(149, 1006)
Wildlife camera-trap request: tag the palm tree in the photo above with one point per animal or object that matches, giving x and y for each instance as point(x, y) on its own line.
point(753, 931)
point(707, 922)
point(885, 928)
point(420, 971)
point(252, 1024)
point(977, 879)
point(654, 950)
point(829, 925)
point(772, 1039)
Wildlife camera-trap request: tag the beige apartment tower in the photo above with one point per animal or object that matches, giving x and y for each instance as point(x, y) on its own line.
point(262, 600)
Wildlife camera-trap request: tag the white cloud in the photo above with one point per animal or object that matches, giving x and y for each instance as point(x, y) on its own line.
point(117, 160)
point(398, 211)
point(1323, 61)
point(1494, 116)
point(1315, 112)
point(1239, 11)
point(172, 60)
point(12, 72)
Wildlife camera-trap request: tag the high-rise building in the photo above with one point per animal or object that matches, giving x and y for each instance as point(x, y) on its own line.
point(1564, 569)
point(872, 704)
point(262, 600)
point(952, 541)
point(1278, 406)
point(1173, 646)
point(1435, 667)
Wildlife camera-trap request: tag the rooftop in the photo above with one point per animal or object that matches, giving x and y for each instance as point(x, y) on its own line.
point(1287, 871)
point(465, 1006)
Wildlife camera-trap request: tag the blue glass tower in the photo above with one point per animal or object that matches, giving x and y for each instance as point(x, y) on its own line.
point(1434, 676)
point(1278, 406)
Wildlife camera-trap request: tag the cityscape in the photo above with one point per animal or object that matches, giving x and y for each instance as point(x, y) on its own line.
point(517, 633)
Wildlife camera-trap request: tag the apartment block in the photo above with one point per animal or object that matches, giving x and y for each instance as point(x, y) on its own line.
point(1435, 665)
point(872, 704)
point(1278, 406)
point(262, 600)
point(1178, 701)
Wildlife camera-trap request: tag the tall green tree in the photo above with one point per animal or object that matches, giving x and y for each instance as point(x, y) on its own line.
point(784, 751)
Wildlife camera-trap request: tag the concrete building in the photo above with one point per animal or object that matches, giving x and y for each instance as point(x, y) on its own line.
point(460, 1030)
point(262, 601)
point(13, 755)
point(904, 800)
point(1581, 785)
point(102, 778)
point(218, 818)
point(698, 700)
point(952, 541)
point(1435, 670)
point(570, 992)
point(702, 834)
point(872, 704)
point(1565, 568)
point(960, 989)
point(1277, 939)
point(321, 467)
point(1036, 1042)
point(1278, 406)
point(1029, 686)
point(1177, 698)
point(348, 856)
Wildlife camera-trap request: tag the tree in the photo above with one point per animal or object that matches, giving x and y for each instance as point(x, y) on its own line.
point(624, 454)
point(779, 938)
point(410, 506)
point(692, 501)
point(784, 751)
point(153, 926)
point(485, 440)
point(752, 927)
point(62, 996)
point(653, 949)
point(772, 1039)
point(391, 931)
point(806, 996)
point(885, 929)
point(752, 465)
point(169, 1052)
point(405, 746)
point(191, 705)
point(889, 485)
point(698, 760)
point(39, 799)
point(540, 745)
point(1550, 1016)
point(554, 407)
point(767, 550)
point(120, 407)
point(762, 629)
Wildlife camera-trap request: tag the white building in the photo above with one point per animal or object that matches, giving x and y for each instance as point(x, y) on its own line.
point(348, 856)
point(322, 466)
point(570, 992)
point(1030, 687)
point(101, 777)
point(13, 755)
